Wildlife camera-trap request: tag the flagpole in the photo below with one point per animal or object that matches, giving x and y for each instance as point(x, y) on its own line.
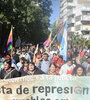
point(55, 36)
point(12, 43)
point(52, 42)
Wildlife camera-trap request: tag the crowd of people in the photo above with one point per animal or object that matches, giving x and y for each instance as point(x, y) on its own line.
point(29, 60)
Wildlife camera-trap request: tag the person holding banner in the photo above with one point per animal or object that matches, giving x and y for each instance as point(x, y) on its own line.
point(8, 71)
point(58, 61)
point(24, 68)
point(67, 68)
point(79, 71)
point(20, 64)
point(32, 70)
point(52, 70)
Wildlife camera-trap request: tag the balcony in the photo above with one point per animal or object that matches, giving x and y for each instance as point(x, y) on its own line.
point(85, 27)
point(62, 2)
point(78, 23)
point(71, 29)
point(71, 4)
point(87, 36)
point(70, 12)
point(85, 18)
point(85, 8)
point(64, 7)
point(71, 20)
point(63, 14)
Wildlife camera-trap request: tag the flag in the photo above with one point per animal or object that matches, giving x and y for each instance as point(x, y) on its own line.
point(48, 41)
point(58, 37)
point(62, 40)
point(9, 42)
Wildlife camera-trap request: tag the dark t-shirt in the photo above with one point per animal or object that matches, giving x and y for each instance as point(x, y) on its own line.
point(11, 74)
point(36, 72)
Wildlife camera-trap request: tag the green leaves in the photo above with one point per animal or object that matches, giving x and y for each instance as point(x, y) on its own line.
point(77, 39)
point(29, 17)
point(55, 28)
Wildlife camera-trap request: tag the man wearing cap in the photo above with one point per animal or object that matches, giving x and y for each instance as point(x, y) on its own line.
point(25, 55)
point(8, 71)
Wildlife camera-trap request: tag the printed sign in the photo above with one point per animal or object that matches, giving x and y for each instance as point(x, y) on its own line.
point(45, 87)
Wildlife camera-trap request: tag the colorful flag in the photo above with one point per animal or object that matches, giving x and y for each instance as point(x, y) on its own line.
point(62, 40)
point(48, 41)
point(9, 42)
point(58, 37)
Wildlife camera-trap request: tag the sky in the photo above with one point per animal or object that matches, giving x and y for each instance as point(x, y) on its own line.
point(56, 10)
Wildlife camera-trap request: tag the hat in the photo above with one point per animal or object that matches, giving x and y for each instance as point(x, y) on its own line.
point(23, 50)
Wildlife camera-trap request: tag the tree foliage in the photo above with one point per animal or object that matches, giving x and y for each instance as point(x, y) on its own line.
point(54, 27)
point(78, 39)
point(30, 19)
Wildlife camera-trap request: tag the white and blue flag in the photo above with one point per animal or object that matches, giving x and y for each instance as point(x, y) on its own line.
point(62, 39)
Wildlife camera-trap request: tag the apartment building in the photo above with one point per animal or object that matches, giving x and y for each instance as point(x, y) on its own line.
point(77, 14)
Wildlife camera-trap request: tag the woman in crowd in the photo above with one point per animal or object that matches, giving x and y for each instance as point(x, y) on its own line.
point(58, 61)
point(79, 71)
point(52, 70)
point(8, 71)
point(32, 70)
point(24, 67)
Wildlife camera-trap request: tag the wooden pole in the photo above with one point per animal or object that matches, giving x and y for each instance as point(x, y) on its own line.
point(52, 42)
point(55, 35)
point(12, 42)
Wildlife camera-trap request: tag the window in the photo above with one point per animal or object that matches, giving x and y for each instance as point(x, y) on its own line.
point(78, 18)
point(77, 28)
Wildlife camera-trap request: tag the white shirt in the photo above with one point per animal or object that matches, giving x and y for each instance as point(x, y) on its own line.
point(19, 65)
point(26, 56)
point(65, 68)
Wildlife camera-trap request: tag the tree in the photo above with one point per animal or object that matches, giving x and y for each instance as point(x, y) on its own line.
point(77, 39)
point(55, 28)
point(30, 19)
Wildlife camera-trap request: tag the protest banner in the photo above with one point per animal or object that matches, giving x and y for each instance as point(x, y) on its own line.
point(45, 87)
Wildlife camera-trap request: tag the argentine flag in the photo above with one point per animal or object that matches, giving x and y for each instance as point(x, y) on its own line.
point(62, 39)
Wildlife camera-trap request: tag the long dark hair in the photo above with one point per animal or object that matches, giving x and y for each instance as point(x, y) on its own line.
point(76, 68)
point(52, 64)
point(32, 64)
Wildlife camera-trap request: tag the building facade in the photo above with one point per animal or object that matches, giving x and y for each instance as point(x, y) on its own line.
point(77, 14)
